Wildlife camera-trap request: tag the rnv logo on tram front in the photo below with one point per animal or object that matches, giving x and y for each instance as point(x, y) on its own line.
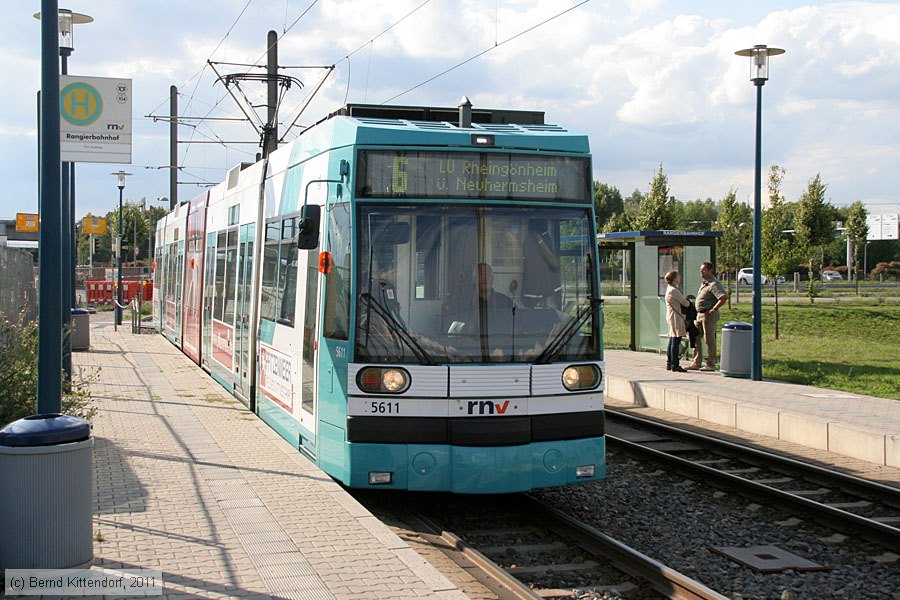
point(487, 407)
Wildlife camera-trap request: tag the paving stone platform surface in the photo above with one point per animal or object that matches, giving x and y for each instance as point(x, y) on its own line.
point(191, 483)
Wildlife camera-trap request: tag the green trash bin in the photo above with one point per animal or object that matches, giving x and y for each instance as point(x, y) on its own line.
point(45, 493)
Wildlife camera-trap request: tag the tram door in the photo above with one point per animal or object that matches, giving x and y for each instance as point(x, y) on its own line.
point(209, 291)
point(308, 299)
point(244, 301)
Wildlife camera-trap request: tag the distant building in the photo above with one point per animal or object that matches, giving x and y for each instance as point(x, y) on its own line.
point(17, 239)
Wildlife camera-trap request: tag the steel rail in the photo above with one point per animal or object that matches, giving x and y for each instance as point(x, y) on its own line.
point(851, 483)
point(880, 533)
point(495, 572)
point(661, 578)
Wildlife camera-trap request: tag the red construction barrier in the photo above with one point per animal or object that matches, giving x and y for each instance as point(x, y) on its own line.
point(103, 292)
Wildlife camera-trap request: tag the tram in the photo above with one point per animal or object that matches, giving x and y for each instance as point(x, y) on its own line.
point(411, 302)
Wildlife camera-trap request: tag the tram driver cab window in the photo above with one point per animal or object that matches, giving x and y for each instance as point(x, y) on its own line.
point(540, 274)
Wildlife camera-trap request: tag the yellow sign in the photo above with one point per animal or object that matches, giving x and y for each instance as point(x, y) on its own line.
point(27, 222)
point(80, 103)
point(93, 225)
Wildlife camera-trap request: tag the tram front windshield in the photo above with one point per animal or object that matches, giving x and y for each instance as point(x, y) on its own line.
point(475, 284)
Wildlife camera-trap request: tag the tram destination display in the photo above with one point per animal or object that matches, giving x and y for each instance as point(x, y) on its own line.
point(472, 175)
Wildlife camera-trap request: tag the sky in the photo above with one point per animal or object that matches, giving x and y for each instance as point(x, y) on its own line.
point(649, 81)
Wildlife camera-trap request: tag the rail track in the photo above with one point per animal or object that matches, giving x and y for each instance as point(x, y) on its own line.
point(843, 502)
point(519, 547)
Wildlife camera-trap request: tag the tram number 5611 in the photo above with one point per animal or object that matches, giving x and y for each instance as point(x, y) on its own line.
point(385, 408)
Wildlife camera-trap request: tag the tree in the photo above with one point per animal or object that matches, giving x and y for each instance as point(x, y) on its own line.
point(733, 221)
point(777, 246)
point(608, 202)
point(655, 211)
point(139, 230)
point(856, 230)
point(814, 228)
point(699, 215)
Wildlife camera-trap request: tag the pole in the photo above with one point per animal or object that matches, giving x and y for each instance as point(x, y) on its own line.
point(144, 208)
point(74, 241)
point(66, 281)
point(850, 266)
point(119, 262)
point(270, 135)
point(91, 256)
point(173, 147)
point(756, 343)
point(49, 387)
point(866, 260)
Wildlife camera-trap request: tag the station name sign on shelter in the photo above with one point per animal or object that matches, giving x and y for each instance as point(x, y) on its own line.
point(95, 119)
point(93, 226)
point(27, 222)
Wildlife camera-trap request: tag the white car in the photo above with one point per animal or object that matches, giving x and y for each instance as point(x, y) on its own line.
point(831, 276)
point(745, 276)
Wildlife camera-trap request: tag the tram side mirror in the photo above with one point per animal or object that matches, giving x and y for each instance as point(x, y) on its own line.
point(308, 227)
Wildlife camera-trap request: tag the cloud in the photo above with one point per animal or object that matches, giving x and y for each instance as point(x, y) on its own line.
point(649, 81)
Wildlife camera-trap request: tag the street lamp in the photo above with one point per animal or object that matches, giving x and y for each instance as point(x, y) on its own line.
point(121, 184)
point(759, 73)
point(66, 21)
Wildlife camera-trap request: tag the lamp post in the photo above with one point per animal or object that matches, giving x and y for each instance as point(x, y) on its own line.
point(66, 21)
point(121, 184)
point(759, 73)
point(49, 387)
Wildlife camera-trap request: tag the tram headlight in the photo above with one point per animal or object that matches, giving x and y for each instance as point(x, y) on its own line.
point(581, 377)
point(383, 380)
point(394, 380)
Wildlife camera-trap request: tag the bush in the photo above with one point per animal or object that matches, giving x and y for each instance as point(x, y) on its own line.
point(19, 375)
point(889, 271)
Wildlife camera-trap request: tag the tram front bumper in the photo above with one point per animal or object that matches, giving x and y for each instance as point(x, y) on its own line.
point(477, 469)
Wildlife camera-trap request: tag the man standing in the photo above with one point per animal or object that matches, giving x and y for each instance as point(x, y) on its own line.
point(710, 298)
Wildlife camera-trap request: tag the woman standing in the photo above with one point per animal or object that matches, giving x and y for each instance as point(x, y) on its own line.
point(675, 300)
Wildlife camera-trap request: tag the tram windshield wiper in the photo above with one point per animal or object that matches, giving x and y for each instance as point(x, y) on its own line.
point(564, 335)
point(397, 328)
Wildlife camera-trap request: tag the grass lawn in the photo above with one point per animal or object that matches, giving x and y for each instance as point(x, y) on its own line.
point(847, 347)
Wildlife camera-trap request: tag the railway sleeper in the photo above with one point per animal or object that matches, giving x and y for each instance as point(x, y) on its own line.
point(523, 548)
point(562, 567)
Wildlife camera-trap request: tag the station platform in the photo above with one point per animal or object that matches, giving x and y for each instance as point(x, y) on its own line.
point(857, 432)
point(191, 483)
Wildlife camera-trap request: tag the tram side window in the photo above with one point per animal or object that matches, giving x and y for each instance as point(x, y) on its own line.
point(269, 295)
point(230, 275)
point(170, 275)
point(219, 309)
point(337, 282)
point(287, 272)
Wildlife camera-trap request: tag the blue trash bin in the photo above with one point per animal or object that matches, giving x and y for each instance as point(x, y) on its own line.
point(736, 340)
point(45, 493)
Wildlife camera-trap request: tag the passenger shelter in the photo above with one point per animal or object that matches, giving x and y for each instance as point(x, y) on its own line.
point(648, 256)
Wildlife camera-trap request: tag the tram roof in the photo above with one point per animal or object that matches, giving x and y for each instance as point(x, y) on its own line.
point(507, 130)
